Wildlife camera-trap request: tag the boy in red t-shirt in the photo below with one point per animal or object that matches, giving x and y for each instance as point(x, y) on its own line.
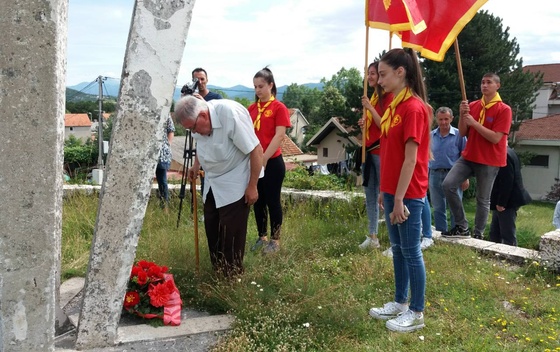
point(486, 123)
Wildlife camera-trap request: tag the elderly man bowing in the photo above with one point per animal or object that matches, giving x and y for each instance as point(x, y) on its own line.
point(231, 155)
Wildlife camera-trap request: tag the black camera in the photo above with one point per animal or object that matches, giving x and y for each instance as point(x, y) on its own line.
point(190, 88)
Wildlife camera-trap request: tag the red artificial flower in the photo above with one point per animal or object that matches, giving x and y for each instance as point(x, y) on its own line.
point(142, 277)
point(144, 264)
point(156, 272)
point(135, 270)
point(131, 299)
point(159, 294)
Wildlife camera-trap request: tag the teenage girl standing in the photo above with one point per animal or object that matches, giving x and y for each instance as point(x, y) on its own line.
point(405, 143)
point(375, 107)
point(270, 120)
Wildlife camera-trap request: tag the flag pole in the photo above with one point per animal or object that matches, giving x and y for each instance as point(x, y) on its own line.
point(460, 70)
point(364, 115)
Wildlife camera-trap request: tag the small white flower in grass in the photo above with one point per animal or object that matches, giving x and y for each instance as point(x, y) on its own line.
point(319, 307)
point(258, 285)
point(261, 290)
point(421, 337)
point(305, 325)
point(253, 283)
point(238, 280)
point(438, 333)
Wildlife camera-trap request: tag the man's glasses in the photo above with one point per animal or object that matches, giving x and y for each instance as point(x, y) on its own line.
point(193, 128)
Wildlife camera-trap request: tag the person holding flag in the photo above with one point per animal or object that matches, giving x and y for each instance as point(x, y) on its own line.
point(270, 120)
point(375, 108)
point(486, 123)
point(405, 146)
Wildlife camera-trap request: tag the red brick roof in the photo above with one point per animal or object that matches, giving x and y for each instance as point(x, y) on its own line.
point(76, 120)
point(544, 128)
point(289, 148)
point(551, 72)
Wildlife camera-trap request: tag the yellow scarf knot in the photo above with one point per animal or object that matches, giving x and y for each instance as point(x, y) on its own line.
point(486, 106)
point(387, 118)
point(257, 123)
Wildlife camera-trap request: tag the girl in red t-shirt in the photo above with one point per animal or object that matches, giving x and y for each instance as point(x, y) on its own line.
point(405, 140)
point(375, 107)
point(270, 119)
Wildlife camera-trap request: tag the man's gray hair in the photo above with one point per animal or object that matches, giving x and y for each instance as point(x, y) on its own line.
point(188, 108)
point(444, 110)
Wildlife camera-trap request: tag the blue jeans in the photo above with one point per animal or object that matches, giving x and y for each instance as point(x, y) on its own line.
point(161, 176)
point(426, 219)
point(408, 262)
point(485, 176)
point(372, 192)
point(437, 197)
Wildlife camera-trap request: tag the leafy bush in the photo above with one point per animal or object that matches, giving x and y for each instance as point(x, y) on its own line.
point(299, 178)
point(554, 194)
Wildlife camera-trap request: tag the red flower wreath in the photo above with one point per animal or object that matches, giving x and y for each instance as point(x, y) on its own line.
point(151, 293)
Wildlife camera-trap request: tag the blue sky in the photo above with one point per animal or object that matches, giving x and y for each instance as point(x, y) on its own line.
point(299, 40)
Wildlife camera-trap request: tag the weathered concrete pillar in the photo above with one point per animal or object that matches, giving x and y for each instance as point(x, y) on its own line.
point(155, 48)
point(32, 94)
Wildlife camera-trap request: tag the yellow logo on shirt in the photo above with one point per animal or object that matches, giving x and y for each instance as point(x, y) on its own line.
point(268, 113)
point(396, 120)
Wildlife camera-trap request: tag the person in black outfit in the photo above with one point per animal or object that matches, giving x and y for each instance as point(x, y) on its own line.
point(508, 194)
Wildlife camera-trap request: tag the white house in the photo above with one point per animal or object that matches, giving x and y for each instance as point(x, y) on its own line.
point(541, 137)
point(331, 142)
point(548, 96)
point(78, 125)
point(299, 124)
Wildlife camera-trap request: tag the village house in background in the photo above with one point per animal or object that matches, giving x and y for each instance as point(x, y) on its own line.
point(548, 96)
point(77, 125)
point(332, 140)
point(541, 134)
point(299, 124)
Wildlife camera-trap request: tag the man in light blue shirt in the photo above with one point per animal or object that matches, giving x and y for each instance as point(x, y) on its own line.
point(232, 157)
point(447, 145)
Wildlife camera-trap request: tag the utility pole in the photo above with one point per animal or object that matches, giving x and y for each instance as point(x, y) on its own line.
point(100, 80)
point(97, 174)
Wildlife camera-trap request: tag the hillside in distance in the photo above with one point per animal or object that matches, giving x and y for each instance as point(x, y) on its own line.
point(111, 88)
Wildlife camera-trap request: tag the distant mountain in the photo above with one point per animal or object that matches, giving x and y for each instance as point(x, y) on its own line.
point(111, 88)
point(76, 96)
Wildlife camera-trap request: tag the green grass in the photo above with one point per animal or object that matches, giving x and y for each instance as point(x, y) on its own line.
point(314, 295)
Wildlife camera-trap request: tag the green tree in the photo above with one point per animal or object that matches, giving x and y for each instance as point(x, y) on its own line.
point(243, 101)
point(303, 98)
point(484, 46)
point(79, 156)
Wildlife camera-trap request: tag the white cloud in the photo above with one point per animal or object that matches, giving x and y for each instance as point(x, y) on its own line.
point(302, 40)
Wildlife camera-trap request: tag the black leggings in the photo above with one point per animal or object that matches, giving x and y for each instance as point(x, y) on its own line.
point(270, 188)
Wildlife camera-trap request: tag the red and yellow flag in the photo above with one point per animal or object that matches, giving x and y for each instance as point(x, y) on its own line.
point(428, 26)
point(394, 15)
point(444, 20)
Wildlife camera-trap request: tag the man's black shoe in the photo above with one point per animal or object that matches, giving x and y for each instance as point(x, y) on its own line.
point(477, 236)
point(457, 232)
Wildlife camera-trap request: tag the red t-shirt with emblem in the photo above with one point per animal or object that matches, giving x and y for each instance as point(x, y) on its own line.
point(479, 149)
point(374, 131)
point(411, 120)
point(276, 114)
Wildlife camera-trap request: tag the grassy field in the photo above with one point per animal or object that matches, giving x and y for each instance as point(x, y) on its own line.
point(314, 295)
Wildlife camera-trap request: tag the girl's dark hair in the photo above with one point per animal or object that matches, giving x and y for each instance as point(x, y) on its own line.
point(378, 88)
point(268, 77)
point(408, 59)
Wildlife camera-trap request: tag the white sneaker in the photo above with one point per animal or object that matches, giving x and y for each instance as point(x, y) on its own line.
point(370, 243)
point(388, 252)
point(426, 242)
point(389, 310)
point(407, 321)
